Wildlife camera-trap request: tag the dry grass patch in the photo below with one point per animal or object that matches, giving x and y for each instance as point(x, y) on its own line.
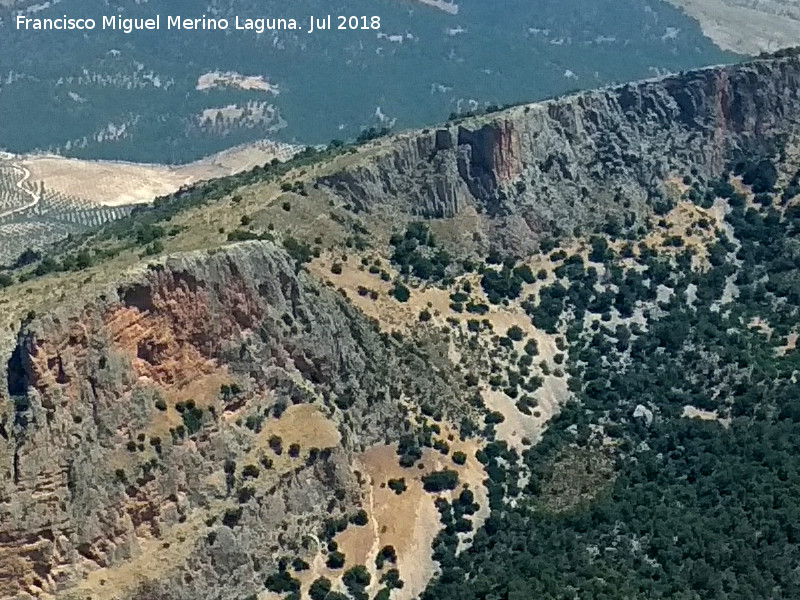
point(302, 424)
point(408, 521)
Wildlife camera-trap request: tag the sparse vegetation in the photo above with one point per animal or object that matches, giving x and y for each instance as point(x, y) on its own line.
point(416, 253)
point(668, 466)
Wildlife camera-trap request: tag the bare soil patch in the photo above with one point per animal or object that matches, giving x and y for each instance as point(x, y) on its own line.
point(691, 412)
point(443, 5)
point(109, 183)
point(408, 521)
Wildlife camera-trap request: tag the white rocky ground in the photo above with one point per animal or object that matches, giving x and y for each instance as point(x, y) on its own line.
point(747, 26)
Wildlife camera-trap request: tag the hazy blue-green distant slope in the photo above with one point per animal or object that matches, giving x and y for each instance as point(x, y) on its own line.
point(106, 94)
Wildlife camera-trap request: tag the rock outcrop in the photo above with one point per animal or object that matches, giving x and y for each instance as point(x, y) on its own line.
point(141, 453)
point(575, 161)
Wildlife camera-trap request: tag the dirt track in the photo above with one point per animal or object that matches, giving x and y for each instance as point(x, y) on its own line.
point(108, 183)
point(35, 198)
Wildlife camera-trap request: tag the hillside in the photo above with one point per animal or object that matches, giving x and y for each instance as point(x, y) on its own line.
point(544, 351)
point(45, 198)
point(747, 26)
point(176, 96)
point(170, 101)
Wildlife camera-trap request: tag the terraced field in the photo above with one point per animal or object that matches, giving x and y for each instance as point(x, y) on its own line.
point(31, 216)
point(61, 207)
point(19, 234)
point(43, 198)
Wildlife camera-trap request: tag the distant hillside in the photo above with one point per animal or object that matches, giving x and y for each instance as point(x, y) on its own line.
point(44, 198)
point(747, 26)
point(173, 97)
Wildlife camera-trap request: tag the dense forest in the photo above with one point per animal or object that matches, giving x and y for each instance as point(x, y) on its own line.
point(625, 497)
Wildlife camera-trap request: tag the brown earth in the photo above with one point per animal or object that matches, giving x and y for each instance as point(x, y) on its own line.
point(110, 183)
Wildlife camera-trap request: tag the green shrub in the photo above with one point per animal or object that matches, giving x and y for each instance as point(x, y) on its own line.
point(398, 486)
point(299, 251)
point(250, 472)
point(192, 418)
point(439, 481)
point(400, 292)
point(282, 582)
point(515, 333)
point(387, 554)
point(276, 444)
point(356, 578)
point(360, 518)
point(320, 589)
point(335, 560)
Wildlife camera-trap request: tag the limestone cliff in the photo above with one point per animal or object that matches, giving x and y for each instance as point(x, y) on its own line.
point(574, 161)
point(178, 433)
point(140, 428)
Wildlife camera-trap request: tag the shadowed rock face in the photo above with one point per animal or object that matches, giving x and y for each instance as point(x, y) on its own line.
point(94, 474)
point(574, 161)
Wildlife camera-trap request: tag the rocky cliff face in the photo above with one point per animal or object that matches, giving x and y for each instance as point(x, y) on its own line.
point(574, 161)
point(140, 450)
point(178, 434)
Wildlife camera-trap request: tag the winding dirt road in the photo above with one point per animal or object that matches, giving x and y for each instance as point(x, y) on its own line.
point(20, 185)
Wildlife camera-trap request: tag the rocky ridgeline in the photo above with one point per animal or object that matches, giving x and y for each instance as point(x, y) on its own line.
point(127, 421)
point(574, 161)
point(138, 453)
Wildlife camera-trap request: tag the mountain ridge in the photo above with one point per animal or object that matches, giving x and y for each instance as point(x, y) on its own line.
point(479, 163)
point(179, 404)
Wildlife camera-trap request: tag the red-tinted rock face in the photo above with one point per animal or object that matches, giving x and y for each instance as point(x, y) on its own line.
point(127, 421)
point(576, 161)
